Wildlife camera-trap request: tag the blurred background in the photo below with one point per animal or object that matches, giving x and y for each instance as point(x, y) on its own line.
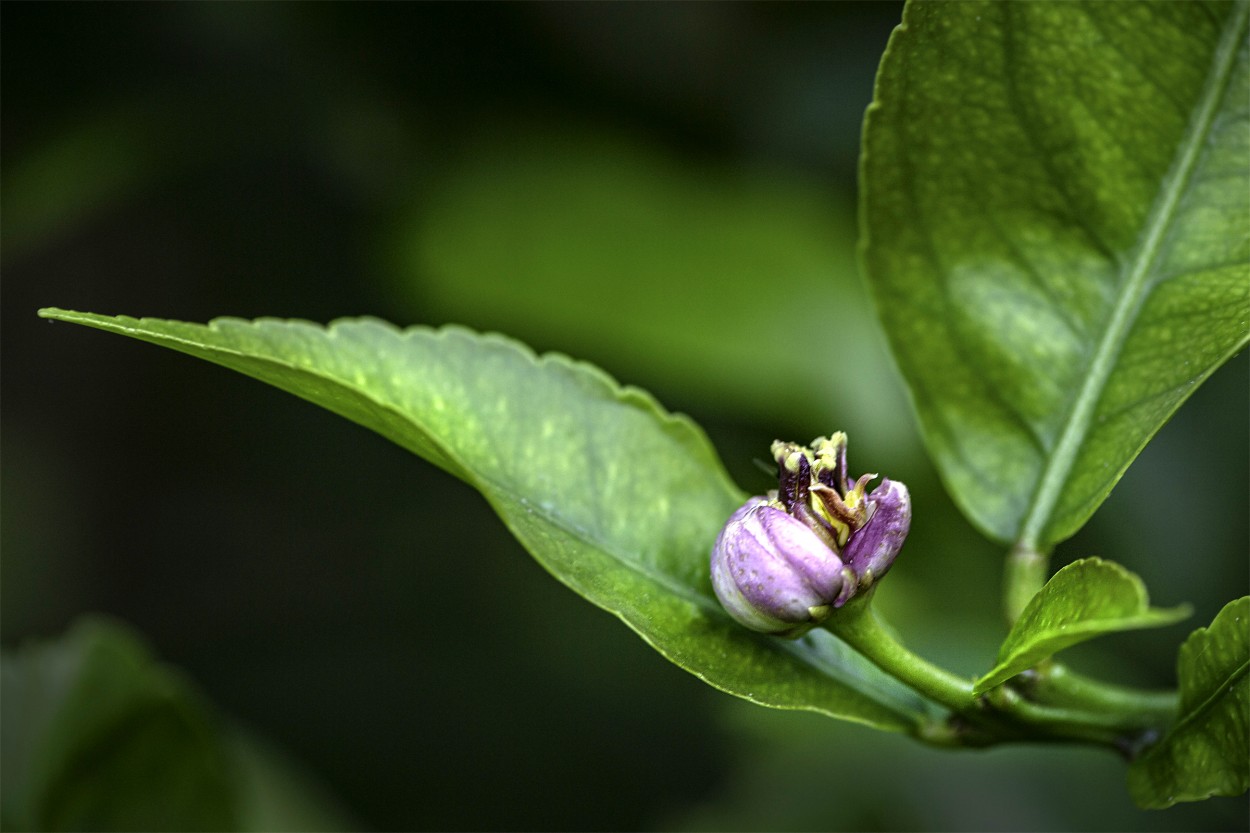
point(666, 190)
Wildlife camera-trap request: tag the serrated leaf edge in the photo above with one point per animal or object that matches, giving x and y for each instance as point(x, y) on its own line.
point(628, 395)
point(1202, 635)
point(1147, 617)
point(1210, 701)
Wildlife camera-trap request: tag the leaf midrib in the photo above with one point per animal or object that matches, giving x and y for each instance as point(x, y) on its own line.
point(1136, 288)
point(1220, 691)
point(666, 581)
point(1093, 626)
point(1099, 627)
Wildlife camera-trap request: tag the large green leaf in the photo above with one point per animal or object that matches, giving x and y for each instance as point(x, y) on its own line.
point(1207, 752)
point(1056, 206)
point(618, 499)
point(1085, 599)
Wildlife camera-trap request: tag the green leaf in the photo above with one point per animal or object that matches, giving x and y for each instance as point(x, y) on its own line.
point(1056, 205)
point(1085, 599)
point(1207, 751)
point(98, 737)
point(618, 499)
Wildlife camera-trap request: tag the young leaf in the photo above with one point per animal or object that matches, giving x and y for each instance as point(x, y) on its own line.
point(1056, 208)
point(618, 499)
point(1207, 751)
point(1085, 599)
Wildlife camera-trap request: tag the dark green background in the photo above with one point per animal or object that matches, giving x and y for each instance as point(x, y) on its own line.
point(362, 609)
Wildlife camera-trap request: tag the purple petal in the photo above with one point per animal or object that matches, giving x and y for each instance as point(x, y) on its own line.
point(769, 570)
point(872, 549)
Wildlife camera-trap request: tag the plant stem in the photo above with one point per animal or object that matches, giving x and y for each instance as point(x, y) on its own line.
point(1058, 684)
point(1041, 722)
point(1025, 574)
point(1060, 705)
point(858, 626)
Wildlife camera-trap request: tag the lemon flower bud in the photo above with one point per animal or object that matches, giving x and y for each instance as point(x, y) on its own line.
point(784, 562)
point(772, 573)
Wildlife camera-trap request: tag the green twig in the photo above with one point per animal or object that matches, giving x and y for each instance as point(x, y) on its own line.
point(1058, 707)
point(1043, 722)
point(1025, 574)
point(1056, 684)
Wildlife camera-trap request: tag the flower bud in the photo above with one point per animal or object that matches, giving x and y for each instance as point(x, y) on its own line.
point(783, 563)
point(772, 573)
point(871, 550)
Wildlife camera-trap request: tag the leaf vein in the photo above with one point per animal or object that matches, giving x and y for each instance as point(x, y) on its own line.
point(1135, 288)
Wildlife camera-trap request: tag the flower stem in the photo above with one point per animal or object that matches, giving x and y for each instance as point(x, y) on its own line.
point(858, 626)
point(1058, 705)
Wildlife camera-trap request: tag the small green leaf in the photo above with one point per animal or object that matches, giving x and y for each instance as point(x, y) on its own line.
point(98, 737)
point(1056, 203)
point(1207, 751)
point(618, 499)
point(1085, 599)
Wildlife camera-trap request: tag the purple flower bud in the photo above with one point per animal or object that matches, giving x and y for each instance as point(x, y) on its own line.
point(772, 572)
point(782, 564)
point(872, 548)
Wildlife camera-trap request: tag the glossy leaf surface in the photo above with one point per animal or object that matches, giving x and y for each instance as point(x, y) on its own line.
point(1085, 599)
point(618, 499)
point(1056, 205)
point(1207, 751)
